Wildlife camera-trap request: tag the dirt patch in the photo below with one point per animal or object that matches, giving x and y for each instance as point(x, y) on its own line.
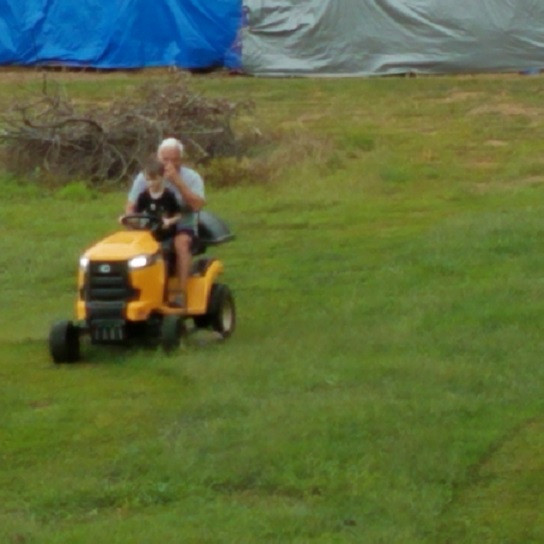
point(497, 186)
point(460, 96)
point(506, 109)
point(484, 165)
point(26, 75)
point(496, 143)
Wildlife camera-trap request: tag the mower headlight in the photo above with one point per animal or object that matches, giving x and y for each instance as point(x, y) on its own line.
point(140, 261)
point(83, 263)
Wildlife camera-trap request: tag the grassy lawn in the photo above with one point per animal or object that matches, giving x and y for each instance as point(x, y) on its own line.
point(385, 381)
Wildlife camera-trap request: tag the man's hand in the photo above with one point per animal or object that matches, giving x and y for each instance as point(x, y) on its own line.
point(171, 173)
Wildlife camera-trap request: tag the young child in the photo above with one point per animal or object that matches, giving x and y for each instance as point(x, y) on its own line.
point(158, 201)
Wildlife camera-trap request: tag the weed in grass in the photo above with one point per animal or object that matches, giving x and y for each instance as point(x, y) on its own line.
point(75, 191)
point(355, 141)
point(392, 173)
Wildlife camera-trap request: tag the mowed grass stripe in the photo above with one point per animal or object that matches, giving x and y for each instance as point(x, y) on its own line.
point(385, 381)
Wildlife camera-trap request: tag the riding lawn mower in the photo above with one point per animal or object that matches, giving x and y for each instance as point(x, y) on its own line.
point(124, 286)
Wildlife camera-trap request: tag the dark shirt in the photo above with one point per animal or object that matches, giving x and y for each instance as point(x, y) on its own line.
point(165, 206)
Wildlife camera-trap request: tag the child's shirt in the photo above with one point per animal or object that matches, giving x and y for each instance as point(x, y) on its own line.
point(163, 206)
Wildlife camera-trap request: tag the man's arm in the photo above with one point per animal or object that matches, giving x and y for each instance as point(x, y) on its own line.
point(131, 208)
point(192, 198)
point(138, 187)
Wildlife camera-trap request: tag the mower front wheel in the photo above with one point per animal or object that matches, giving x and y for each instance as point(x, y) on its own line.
point(172, 329)
point(64, 342)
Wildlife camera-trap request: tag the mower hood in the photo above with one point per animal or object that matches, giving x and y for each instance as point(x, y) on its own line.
point(122, 246)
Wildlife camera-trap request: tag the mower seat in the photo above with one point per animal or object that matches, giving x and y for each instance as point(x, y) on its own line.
point(211, 231)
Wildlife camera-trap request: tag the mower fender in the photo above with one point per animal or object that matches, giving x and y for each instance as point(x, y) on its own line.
point(200, 286)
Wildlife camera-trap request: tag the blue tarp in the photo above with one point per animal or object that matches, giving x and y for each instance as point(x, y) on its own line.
point(120, 34)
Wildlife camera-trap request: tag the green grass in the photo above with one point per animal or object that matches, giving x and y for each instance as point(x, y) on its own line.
point(385, 381)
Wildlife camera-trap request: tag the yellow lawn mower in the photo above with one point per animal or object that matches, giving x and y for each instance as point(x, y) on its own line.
point(124, 283)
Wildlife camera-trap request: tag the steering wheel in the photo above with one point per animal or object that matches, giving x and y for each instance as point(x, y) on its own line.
point(141, 221)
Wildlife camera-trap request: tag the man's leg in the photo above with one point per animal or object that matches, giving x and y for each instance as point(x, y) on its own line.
point(182, 243)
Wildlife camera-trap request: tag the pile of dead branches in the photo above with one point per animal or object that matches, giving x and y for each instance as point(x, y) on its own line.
point(62, 139)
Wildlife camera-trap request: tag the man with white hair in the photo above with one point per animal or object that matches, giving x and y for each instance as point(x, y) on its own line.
point(188, 187)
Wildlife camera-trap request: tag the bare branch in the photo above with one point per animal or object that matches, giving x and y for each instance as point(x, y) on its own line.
point(107, 141)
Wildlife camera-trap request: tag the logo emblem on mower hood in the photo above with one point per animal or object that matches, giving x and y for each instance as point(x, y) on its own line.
point(104, 268)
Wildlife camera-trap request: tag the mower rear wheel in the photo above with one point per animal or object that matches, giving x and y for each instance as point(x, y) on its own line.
point(64, 342)
point(172, 329)
point(222, 310)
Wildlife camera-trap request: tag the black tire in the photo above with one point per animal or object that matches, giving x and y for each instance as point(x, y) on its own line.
point(64, 342)
point(222, 310)
point(172, 329)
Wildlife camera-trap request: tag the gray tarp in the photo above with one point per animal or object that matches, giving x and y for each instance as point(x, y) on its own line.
point(380, 37)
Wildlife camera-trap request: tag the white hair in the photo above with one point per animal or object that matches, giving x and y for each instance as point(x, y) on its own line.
point(171, 143)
